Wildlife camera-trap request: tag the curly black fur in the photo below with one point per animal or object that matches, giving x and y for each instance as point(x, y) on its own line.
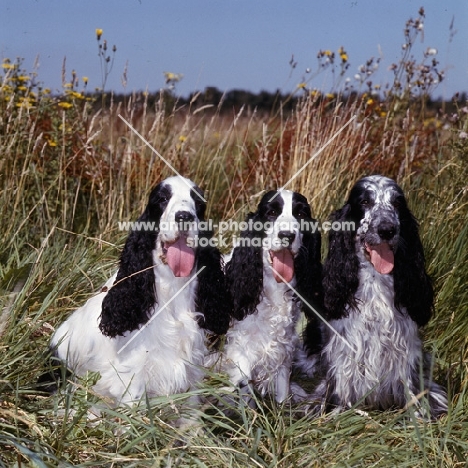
point(308, 268)
point(213, 300)
point(244, 273)
point(340, 269)
point(413, 286)
point(129, 302)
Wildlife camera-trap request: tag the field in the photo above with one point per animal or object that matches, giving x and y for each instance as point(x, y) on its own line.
point(70, 169)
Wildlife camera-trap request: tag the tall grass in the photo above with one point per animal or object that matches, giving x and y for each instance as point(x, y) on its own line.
point(69, 172)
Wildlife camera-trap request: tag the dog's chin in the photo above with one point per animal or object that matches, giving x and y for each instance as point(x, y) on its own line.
point(282, 264)
point(381, 256)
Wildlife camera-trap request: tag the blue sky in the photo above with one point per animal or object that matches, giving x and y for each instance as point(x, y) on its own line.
point(230, 44)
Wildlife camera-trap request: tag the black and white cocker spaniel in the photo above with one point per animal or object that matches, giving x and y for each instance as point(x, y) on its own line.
point(376, 295)
point(144, 332)
point(273, 274)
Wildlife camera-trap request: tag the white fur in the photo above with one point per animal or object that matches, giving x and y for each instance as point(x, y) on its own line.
point(259, 348)
point(382, 348)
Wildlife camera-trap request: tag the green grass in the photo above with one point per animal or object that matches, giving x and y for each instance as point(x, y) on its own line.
point(68, 174)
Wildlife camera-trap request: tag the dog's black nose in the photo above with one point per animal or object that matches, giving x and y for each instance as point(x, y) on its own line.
point(184, 217)
point(287, 235)
point(386, 231)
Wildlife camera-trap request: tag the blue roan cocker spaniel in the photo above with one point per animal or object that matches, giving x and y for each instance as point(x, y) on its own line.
point(377, 294)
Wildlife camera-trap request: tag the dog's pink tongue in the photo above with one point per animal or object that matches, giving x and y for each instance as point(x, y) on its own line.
point(180, 258)
point(381, 257)
point(283, 265)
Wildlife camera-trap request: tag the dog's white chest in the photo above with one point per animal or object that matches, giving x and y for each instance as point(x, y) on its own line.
point(379, 344)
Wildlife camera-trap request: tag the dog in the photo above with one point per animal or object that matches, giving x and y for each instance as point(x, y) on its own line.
point(274, 272)
point(377, 295)
point(146, 331)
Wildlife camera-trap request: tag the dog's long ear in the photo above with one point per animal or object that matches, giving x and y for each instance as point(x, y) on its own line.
point(308, 270)
point(128, 303)
point(340, 269)
point(413, 287)
point(213, 299)
point(244, 272)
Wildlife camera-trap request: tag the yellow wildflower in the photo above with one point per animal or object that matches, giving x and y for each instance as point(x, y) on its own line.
point(330, 96)
point(370, 101)
point(328, 53)
point(98, 33)
point(172, 77)
point(65, 105)
point(182, 138)
point(75, 94)
point(85, 80)
point(301, 85)
point(342, 53)
point(26, 104)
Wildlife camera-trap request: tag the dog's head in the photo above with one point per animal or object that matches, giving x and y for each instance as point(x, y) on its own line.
point(385, 234)
point(177, 207)
point(376, 203)
point(279, 216)
point(166, 236)
point(281, 241)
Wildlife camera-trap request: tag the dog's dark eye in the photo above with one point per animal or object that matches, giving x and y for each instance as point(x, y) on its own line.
point(365, 202)
point(272, 212)
point(396, 203)
point(301, 215)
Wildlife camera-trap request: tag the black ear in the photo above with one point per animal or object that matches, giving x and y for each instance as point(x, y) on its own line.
point(213, 299)
point(308, 270)
point(340, 269)
point(244, 272)
point(129, 301)
point(413, 287)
